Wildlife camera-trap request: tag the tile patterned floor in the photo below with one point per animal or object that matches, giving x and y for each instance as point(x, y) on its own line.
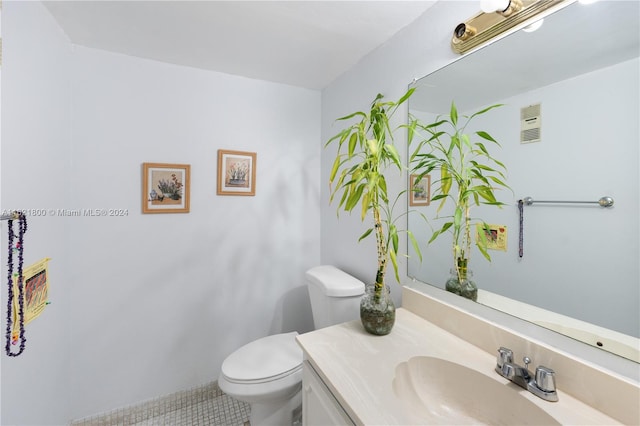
point(202, 406)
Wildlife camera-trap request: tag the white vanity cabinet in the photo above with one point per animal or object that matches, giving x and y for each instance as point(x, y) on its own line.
point(319, 406)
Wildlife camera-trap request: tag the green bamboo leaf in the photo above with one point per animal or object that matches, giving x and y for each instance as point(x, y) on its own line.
point(372, 144)
point(482, 166)
point(375, 101)
point(499, 163)
point(366, 234)
point(445, 179)
point(411, 129)
point(354, 197)
point(487, 194)
point(394, 262)
point(487, 136)
point(484, 252)
point(489, 108)
point(483, 148)
point(498, 181)
point(444, 228)
point(457, 217)
point(455, 143)
point(466, 141)
point(436, 124)
point(343, 200)
point(334, 169)
point(453, 114)
point(355, 114)
point(406, 96)
point(366, 201)
point(415, 245)
point(339, 136)
point(352, 144)
point(482, 230)
point(340, 181)
point(382, 184)
point(393, 234)
point(393, 153)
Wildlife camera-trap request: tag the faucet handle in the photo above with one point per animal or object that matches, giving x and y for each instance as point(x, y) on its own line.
point(526, 361)
point(505, 355)
point(545, 379)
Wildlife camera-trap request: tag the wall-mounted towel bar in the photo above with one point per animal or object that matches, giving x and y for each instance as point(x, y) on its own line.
point(527, 201)
point(603, 202)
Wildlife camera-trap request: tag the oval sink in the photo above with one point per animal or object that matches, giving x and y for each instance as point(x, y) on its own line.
point(437, 391)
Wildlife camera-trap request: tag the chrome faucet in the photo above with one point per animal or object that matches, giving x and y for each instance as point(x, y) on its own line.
point(542, 385)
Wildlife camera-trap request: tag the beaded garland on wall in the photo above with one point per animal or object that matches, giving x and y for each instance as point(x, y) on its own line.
point(15, 308)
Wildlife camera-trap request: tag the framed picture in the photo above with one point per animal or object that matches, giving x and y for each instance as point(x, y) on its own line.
point(496, 235)
point(420, 193)
point(165, 188)
point(236, 173)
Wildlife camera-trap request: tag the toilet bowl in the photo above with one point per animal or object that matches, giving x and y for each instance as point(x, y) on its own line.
point(267, 373)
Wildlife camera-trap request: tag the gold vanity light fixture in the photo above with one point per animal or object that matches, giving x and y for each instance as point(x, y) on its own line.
point(499, 16)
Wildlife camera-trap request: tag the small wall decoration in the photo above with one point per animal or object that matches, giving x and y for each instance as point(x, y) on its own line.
point(420, 194)
point(36, 289)
point(236, 173)
point(496, 236)
point(165, 188)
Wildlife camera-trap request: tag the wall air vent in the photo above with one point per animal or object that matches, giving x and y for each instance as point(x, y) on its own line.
point(530, 124)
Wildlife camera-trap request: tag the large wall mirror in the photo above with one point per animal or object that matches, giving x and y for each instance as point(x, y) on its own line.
point(579, 270)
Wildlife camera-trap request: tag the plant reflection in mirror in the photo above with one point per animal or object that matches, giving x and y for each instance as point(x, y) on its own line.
point(469, 175)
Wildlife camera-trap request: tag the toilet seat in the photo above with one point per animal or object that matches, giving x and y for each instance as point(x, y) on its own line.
point(264, 360)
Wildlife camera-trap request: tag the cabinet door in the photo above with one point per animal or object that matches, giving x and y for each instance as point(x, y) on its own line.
point(319, 406)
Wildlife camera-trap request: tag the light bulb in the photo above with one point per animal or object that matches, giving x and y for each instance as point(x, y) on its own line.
point(490, 6)
point(532, 27)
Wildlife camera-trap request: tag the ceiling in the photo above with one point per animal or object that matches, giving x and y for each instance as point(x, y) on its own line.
point(301, 43)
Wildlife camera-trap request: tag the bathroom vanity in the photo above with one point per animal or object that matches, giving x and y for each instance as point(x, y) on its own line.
point(437, 367)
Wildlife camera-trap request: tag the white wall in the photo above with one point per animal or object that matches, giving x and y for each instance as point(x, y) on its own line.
point(145, 305)
point(36, 146)
point(419, 49)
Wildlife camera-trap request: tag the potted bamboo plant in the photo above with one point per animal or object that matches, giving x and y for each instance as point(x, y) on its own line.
point(365, 152)
point(469, 176)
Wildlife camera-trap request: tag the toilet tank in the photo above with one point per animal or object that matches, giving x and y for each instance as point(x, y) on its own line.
point(334, 294)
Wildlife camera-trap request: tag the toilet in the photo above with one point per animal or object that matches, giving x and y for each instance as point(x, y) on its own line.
point(267, 373)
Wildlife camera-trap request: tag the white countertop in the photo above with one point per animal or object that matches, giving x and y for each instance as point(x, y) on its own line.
point(359, 368)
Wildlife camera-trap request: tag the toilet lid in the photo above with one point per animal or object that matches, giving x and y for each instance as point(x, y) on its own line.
point(268, 358)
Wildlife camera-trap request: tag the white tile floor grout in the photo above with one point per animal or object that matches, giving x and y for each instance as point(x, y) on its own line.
point(202, 406)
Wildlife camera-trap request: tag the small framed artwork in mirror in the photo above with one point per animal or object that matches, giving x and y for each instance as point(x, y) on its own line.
point(236, 173)
point(165, 188)
point(496, 235)
point(420, 194)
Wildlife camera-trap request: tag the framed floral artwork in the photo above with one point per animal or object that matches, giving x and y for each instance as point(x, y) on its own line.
point(165, 188)
point(236, 173)
point(420, 194)
point(496, 235)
